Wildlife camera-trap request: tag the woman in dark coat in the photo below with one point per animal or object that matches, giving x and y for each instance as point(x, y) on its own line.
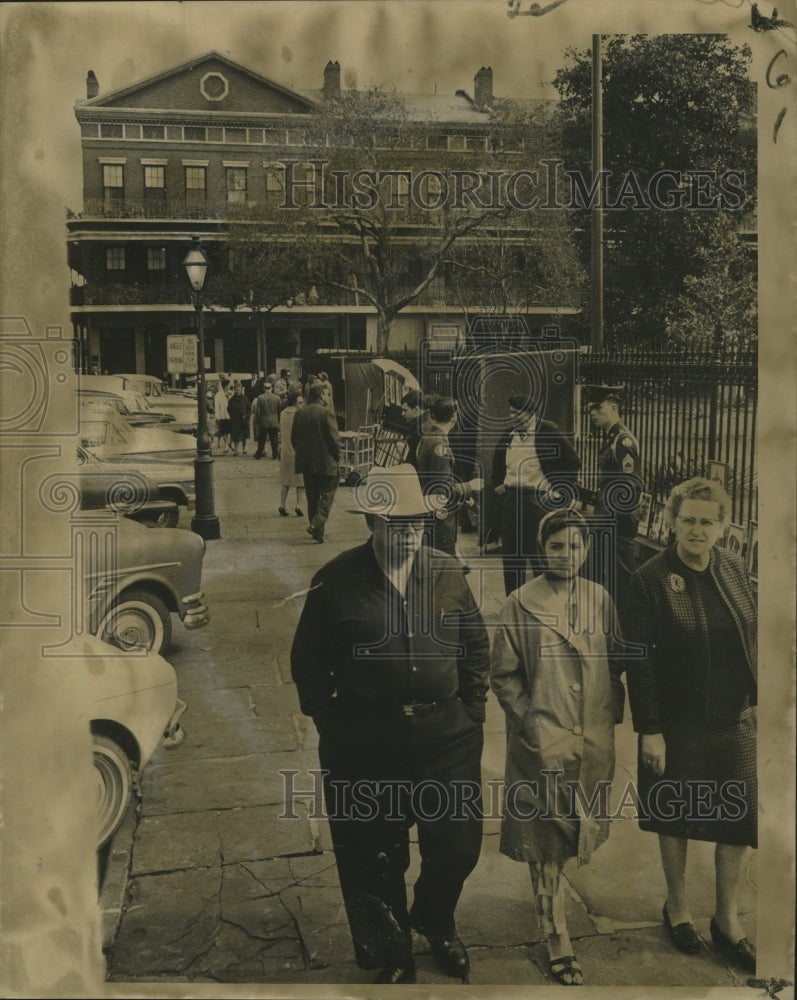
point(239, 409)
point(692, 696)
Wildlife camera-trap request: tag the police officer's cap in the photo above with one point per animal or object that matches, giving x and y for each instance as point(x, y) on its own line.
point(597, 394)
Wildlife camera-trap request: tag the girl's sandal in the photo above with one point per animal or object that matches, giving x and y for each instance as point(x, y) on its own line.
point(567, 971)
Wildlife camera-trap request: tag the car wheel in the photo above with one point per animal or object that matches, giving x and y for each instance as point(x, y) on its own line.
point(167, 519)
point(138, 620)
point(114, 774)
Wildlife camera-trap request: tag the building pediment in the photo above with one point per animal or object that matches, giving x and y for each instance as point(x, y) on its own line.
point(210, 83)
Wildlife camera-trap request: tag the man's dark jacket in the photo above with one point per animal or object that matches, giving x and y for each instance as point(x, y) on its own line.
point(558, 459)
point(314, 437)
point(361, 651)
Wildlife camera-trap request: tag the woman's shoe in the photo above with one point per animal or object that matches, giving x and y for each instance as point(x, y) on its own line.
point(567, 971)
point(683, 936)
point(299, 511)
point(743, 952)
point(283, 512)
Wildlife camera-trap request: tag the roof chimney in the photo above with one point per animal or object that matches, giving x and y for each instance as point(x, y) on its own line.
point(332, 81)
point(92, 86)
point(483, 87)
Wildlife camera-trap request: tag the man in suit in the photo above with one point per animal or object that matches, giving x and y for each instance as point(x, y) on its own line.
point(534, 471)
point(266, 421)
point(315, 441)
point(391, 660)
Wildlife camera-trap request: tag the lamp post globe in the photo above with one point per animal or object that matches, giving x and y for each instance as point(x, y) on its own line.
point(205, 521)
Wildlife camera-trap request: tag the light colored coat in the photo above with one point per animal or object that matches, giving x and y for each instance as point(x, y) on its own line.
point(562, 699)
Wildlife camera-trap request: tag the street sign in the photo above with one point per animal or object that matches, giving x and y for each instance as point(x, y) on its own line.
point(181, 354)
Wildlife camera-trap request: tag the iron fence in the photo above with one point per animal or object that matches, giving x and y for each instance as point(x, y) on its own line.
point(694, 414)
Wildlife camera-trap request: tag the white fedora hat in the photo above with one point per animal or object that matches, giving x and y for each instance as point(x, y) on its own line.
point(391, 491)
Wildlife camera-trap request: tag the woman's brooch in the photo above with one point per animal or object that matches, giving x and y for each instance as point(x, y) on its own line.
point(677, 583)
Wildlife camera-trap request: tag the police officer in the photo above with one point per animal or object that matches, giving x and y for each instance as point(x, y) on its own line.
point(619, 483)
point(435, 463)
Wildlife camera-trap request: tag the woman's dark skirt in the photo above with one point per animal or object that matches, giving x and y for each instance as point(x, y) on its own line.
point(709, 789)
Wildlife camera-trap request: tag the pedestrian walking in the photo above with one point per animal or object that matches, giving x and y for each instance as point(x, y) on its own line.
point(222, 415)
point(314, 437)
point(619, 486)
point(691, 608)
point(435, 463)
point(562, 693)
point(266, 423)
point(391, 661)
point(239, 409)
point(416, 416)
point(289, 477)
point(534, 471)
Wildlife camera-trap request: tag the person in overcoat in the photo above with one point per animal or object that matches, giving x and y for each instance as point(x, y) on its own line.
point(266, 421)
point(391, 661)
point(289, 477)
point(693, 692)
point(239, 409)
point(555, 676)
point(314, 436)
point(534, 470)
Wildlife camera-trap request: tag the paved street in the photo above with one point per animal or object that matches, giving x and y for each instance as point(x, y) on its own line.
point(222, 889)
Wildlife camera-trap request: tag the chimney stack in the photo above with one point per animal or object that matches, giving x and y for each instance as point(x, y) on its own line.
point(92, 86)
point(332, 81)
point(483, 87)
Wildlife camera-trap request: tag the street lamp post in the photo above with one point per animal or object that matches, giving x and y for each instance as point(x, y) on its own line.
point(205, 521)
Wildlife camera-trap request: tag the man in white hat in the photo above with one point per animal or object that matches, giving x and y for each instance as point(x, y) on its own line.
point(391, 660)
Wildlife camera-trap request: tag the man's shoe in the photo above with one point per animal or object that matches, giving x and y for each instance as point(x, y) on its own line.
point(314, 534)
point(400, 972)
point(683, 936)
point(451, 955)
point(743, 952)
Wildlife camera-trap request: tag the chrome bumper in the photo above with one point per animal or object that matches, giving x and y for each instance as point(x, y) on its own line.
point(196, 613)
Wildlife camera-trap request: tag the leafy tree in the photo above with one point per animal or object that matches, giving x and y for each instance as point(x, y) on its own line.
point(705, 314)
point(673, 102)
point(392, 249)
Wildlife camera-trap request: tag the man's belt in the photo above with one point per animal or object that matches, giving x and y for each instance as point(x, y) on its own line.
point(416, 708)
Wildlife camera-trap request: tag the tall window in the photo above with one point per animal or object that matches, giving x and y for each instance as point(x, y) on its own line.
point(113, 184)
point(236, 184)
point(115, 259)
point(195, 188)
point(156, 265)
point(154, 188)
point(156, 258)
point(275, 185)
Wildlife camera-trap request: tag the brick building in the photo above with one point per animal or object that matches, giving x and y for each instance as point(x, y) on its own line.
point(182, 153)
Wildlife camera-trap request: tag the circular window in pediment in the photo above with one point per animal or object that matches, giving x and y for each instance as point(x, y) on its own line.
point(214, 87)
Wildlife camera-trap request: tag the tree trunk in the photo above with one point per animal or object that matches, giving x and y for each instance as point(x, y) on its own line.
point(383, 324)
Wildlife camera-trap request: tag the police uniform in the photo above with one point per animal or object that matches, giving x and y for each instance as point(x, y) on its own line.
point(435, 463)
point(619, 488)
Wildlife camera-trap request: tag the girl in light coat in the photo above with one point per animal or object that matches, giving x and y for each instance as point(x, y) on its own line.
point(562, 696)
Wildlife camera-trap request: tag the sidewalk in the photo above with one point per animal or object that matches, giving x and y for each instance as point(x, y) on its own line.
point(221, 889)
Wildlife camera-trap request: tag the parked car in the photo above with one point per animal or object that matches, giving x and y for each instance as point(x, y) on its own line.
point(132, 405)
point(131, 705)
point(176, 403)
point(131, 597)
point(146, 490)
point(106, 434)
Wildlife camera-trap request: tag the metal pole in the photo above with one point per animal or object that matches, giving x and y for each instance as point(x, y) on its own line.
point(205, 521)
point(596, 312)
